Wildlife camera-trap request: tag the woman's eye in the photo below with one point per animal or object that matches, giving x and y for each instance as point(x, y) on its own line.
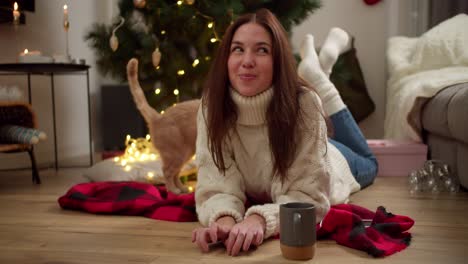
point(236, 49)
point(263, 50)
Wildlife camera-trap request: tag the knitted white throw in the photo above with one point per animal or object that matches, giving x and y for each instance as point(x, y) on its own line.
point(418, 69)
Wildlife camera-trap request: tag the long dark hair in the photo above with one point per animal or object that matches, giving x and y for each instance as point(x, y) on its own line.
point(283, 113)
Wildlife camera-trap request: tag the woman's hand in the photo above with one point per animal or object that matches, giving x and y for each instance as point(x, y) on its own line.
point(218, 231)
point(246, 233)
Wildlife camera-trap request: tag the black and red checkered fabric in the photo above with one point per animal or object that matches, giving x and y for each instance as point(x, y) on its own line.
point(386, 234)
point(344, 223)
point(130, 198)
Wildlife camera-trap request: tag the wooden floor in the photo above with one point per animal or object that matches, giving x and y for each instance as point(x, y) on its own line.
point(33, 229)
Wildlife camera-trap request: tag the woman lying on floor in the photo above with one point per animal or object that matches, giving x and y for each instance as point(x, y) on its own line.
point(262, 135)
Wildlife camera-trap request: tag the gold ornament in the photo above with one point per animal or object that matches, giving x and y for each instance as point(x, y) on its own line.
point(156, 57)
point(139, 3)
point(190, 2)
point(114, 41)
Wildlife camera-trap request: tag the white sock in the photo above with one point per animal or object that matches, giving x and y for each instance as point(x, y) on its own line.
point(310, 70)
point(337, 42)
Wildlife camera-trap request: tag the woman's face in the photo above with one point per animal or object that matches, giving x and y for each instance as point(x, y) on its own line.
point(250, 63)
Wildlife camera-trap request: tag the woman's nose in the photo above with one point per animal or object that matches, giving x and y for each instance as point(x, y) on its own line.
point(248, 60)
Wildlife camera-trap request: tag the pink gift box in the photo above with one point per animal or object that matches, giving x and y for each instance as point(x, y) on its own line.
point(398, 158)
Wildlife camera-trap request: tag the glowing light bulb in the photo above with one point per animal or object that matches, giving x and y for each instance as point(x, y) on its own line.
point(195, 62)
point(116, 159)
point(213, 40)
point(150, 175)
point(157, 91)
point(180, 72)
point(127, 168)
point(176, 92)
point(210, 25)
point(179, 3)
point(16, 13)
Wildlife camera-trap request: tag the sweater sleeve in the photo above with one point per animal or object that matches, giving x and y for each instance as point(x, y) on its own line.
point(308, 179)
point(216, 195)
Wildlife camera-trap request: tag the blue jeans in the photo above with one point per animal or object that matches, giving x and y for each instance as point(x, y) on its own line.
point(350, 141)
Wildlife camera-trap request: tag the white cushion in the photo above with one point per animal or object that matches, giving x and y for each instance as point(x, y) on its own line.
point(109, 170)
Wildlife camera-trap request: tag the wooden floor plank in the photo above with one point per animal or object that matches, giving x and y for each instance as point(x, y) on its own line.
point(34, 229)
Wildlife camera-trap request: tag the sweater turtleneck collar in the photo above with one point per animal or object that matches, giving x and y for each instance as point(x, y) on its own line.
point(252, 109)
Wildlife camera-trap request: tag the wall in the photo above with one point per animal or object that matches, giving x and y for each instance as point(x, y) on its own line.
point(371, 26)
point(43, 31)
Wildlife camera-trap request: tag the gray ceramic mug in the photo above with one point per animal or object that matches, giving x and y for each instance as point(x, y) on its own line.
point(297, 230)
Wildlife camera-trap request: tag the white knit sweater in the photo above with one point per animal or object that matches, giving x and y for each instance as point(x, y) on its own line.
point(319, 174)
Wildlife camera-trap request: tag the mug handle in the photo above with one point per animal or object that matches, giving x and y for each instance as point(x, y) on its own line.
point(297, 219)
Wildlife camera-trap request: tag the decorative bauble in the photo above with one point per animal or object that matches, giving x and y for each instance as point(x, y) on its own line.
point(190, 2)
point(139, 3)
point(371, 2)
point(156, 57)
point(114, 42)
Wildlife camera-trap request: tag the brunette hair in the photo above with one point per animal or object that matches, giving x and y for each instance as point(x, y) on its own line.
point(283, 113)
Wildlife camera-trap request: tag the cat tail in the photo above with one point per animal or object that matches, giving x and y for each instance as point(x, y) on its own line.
point(148, 112)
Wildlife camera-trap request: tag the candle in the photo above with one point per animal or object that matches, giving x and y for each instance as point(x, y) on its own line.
point(16, 13)
point(65, 12)
point(27, 52)
point(66, 23)
point(33, 56)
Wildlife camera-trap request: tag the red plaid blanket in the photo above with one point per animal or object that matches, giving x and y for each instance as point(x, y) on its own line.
point(130, 198)
point(378, 233)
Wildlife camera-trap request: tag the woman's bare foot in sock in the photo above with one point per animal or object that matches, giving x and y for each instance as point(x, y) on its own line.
point(309, 68)
point(337, 42)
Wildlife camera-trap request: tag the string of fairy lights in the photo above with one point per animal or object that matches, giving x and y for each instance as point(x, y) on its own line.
point(156, 55)
point(141, 150)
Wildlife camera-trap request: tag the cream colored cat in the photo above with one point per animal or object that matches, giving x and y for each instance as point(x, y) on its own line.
point(173, 133)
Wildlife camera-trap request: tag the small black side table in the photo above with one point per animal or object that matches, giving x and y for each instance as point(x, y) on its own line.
point(52, 69)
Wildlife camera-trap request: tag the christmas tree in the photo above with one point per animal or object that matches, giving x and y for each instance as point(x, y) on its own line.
point(175, 41)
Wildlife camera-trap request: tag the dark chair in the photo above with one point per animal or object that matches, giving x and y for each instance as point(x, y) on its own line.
point(19, 114)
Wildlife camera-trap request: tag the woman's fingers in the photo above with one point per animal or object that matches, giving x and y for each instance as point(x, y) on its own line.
point(236, 247)
point(237, 240)
point(201, 237)
point(194, 235)
point(214, 233)
point(248, 240)
point(203, 241)
point(258, 239)
point(230, 241)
